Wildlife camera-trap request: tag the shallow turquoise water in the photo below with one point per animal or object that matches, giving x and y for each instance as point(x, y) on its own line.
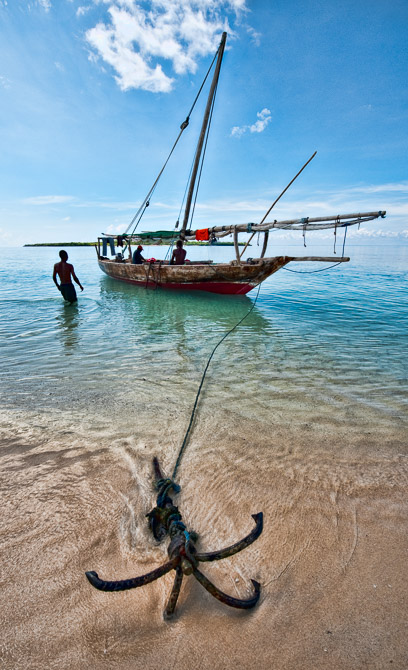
point(339, 333)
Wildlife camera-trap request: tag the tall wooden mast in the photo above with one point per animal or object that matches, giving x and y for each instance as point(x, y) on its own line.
point(202, 135)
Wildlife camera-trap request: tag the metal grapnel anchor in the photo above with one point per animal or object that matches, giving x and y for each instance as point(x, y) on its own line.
point(165, 519)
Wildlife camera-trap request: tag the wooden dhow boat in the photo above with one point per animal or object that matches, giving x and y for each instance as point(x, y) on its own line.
point(236, 277)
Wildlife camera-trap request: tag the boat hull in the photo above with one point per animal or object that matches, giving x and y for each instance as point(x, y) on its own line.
point(222, 278)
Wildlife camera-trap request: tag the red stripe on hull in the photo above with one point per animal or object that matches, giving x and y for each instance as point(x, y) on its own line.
point(224, 288)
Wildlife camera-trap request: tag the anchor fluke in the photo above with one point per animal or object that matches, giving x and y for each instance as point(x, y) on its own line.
point(238, 546)
point(126, 584)
point(226, 599)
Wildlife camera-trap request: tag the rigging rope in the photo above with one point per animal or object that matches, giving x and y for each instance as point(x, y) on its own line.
point(147, 203)
point(191, 170)
point(183, 126)
point(309, 272)
point(184, 444)
point(203, 155)
point(171, 245)
point(186, 189)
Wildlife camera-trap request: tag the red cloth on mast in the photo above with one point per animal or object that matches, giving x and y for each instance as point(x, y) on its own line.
point(202, 235)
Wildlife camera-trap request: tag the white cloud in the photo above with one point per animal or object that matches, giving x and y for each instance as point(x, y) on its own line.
point(5, 82)
point(237, 131)
point(45, 4)
point(352, 233)
point(255, 37)
point(366, 232)
point(83, 10)
point(174, 32)
point(48, 199)
point(264, 117)
point(115, 229)
point(247, 207)
point(380, 188)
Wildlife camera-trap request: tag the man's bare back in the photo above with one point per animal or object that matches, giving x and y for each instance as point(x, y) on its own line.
point(65, 271)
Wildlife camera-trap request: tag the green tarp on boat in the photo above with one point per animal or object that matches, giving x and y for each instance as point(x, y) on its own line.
point(162, 234)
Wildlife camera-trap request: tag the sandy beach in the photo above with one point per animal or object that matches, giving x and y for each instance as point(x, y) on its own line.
point(331, 559)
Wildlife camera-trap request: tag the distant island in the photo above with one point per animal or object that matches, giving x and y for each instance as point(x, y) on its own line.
point(146, 242)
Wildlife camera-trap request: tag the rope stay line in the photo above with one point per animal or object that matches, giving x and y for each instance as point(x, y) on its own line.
point(201, 138)
point(203, 156)
point(145, 202)
point(310, 272)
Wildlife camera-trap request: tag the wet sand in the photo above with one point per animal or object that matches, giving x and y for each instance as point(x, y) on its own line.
point(331, 559)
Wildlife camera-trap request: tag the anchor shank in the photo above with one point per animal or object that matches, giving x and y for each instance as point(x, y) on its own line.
point(172, 602)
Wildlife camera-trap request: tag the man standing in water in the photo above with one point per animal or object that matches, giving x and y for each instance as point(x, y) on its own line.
point(64, 271)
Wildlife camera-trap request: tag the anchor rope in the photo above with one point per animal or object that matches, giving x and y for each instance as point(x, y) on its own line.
point(184, 443)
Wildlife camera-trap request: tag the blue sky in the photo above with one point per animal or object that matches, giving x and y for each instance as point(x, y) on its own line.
point(92, 94)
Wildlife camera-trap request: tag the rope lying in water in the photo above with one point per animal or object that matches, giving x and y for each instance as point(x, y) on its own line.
point(184, 444)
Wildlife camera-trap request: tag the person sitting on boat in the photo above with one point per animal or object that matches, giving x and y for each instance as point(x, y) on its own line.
point(65, 271)
point(137, 258)
point(179, 254)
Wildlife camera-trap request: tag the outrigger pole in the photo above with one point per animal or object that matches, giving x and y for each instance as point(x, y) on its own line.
point(306, 223)
point(201, 138)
